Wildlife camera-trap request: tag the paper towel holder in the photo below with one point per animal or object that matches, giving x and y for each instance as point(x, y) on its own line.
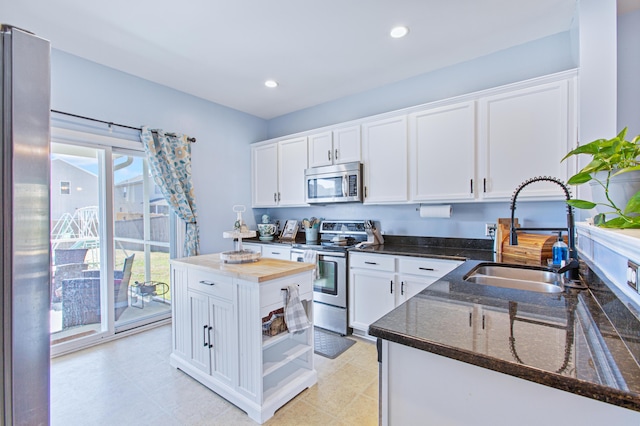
point(435, 211)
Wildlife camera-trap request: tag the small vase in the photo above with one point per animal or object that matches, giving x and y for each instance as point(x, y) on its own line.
point(621, 189)
point(311, 235)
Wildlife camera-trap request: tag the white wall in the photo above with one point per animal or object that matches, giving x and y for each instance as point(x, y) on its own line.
point(629, 72)
point(540, 57)
point(221, 155)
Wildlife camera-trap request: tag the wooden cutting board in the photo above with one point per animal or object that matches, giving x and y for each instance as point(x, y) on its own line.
point(532, 249)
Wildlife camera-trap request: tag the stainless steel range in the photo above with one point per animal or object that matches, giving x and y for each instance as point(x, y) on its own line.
point(330, 288)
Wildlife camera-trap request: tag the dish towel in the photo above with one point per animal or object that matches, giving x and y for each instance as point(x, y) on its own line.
point(311, 256)
point(294, 314)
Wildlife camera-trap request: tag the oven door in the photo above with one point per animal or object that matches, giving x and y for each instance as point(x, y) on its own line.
point(331, 285)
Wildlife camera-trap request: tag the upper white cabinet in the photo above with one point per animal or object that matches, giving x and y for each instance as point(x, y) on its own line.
point(477, 147)
point(442, 153)
point(335, 147)
point(523, 134)
point(385, 155)
point(278, 173)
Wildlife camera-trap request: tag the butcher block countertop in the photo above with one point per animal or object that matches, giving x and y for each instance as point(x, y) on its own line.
point(259, 271)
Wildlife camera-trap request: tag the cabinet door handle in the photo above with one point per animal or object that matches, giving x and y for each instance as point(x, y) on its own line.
point(209, 333)
point(391, 286)
point(335, 156)
point(471, 186)
point(207, 282)
point(278, 197)
point(470, 314)
point(365, 192)
point(402, 288)
point(425, 269)
point(204, 336)
point(484, 184)
point(483, 322)
point(275, 197)
point(371, 263)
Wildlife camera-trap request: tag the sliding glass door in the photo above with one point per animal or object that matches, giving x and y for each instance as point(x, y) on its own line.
point(141, 234)
point(77, 234)
point(110, 243)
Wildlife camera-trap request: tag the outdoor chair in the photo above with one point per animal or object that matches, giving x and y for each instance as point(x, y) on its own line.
point(65, 272)
point(68, 256)
point(81, 296)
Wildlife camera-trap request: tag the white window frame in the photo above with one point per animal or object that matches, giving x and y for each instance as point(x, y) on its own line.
point(108, 144)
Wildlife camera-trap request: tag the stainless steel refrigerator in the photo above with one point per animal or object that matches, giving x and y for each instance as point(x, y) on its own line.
point(25, 250)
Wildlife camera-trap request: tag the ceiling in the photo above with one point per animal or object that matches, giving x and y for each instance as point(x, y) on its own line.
point(318, 51)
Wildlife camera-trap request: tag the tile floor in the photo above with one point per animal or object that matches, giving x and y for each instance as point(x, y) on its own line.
point(130, 382)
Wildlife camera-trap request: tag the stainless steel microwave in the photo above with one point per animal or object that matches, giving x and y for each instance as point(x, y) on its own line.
point(341, 183)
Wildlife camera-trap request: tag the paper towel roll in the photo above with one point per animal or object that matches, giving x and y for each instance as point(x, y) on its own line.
point(436, 211)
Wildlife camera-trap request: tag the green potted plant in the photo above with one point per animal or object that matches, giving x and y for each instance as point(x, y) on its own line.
point(613, 160)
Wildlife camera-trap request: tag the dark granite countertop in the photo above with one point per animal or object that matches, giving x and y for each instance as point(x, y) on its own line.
point(568, 341)
point(444, 248)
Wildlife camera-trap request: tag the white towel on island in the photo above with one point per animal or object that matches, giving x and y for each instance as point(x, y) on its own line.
point(311, 256)
point(294, 314)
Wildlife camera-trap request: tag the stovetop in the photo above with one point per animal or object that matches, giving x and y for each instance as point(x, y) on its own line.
point(353, 231)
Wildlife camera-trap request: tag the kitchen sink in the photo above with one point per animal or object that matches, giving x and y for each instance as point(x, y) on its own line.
point(517, 277)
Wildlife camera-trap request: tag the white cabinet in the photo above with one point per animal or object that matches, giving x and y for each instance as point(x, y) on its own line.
point(213, 336)
point(439, 139)
point(276, 251)
point(277, 171)
point(491, 396)
point(254, 247)
point(292, 162)
point(415, 274)
point(378, 283)
point(523, 134)
point(371, 297)
point(479, 147)
point(270, 251)
point(218, 339)
point(385, 158)
point(264, 174)
point(335, 147)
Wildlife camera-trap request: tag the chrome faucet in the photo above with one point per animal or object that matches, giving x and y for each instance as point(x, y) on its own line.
point(572, 265)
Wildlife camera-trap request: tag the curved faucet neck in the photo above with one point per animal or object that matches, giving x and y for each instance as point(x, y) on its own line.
point(513, 236)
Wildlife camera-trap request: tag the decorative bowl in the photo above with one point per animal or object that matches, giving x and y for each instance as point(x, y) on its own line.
point(267, 231)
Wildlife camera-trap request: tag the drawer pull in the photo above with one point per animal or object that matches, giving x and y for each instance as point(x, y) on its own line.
point(275, 252)
point(207, 282)
point(371, 263)
point(425, 269)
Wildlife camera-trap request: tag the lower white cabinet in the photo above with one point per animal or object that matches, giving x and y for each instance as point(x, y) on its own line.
point(270, 251)
point(276, 251)
point(410, 377)
point(379, 282)
point(213, 336)
point(218, 338)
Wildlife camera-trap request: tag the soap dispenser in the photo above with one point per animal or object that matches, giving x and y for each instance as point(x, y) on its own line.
point(560, 251)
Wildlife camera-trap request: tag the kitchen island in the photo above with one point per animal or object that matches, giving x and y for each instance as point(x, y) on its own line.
point(218, 311)
point(463, 353)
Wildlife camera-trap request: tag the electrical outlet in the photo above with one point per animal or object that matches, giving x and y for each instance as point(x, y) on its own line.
point(632, 275)
point(489, 229)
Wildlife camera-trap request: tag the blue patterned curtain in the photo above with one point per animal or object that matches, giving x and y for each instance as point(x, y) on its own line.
point(170, 162)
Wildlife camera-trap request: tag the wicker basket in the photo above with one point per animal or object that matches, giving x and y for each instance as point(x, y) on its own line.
point(273, 323)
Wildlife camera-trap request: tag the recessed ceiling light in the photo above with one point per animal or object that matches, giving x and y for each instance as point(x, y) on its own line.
point(271, 83)
point(399, 32)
